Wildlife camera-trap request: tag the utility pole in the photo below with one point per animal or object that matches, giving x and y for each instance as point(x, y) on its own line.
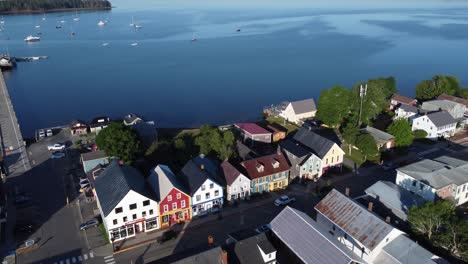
point(362, 94)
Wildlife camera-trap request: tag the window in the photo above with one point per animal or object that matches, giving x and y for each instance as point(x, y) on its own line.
point(198, 198)
point(333, 228)
point(345, 236)
point(421, 186)
point(182, 203)
point(211, 185)
point(464, 187)
point(143, 214)
point(414, 183)
point(151, 212)
point(203, 187)
point(118, 210)
point(125, 219)
point(179, 195)
point(133, 206)
point(166, 208)
point(216, 192)
point(337, 158)
point(326, 161)
point(332, 159)
point(174, 206)
point(114, 221)
point(134, 216)
point(169, 198)
point(207, 195)
point(333, 151)
point(146, 203)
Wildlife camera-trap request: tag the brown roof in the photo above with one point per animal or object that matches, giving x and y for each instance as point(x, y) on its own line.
point(251, 166)
point(230, 172)
point(453, 99)
point(403, 99)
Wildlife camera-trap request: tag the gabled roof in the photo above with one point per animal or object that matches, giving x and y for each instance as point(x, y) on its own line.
point(409, 108)
point(99, 121)
point(295, 148)
point(252, 128)
point(354, 219)
point(439, 172)
point(244, 152)
point(398, 199)
point(93, 155)
point(304, 106)
point(453, 99)
point(378, 135)
point(403, 99)
point(435, 105)
point(204, 254)
point(318, 143)
point(131, 118)
point(81, 123)
point(404, 250)
point(251, 166)
point(230, 172)
point(115, 182)
point(163, 181)
point(247, 251)
point(441, 118)
point(197, 171)
point(309, 241)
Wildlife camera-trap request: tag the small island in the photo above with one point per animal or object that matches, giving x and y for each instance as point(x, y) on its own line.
point(41, 6)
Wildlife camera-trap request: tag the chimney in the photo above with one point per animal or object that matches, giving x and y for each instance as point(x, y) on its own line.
point(210, 240)
point(202, 166)
point(388, 219)
point(347, 191)
point(224, 257)
point(370, 206)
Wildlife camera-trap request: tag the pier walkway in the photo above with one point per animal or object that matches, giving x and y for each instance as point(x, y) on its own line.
point(15, 158)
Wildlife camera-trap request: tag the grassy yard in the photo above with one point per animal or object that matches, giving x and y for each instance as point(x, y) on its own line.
point(104, 233)
point(279, 121)
point(355, 155)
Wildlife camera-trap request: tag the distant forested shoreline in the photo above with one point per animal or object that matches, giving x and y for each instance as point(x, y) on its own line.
point(39, 6)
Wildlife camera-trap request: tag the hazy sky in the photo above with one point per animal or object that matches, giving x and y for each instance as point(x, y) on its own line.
point(288, 3)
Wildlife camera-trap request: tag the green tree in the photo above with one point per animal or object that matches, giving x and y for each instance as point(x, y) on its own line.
point(203, 140)
point(226, 148)
point(118, 140)
point(419, 134)
point(439, 84)
point(367, 145)
point(401, 130)
point(211, 139)
point(455, 237)
point(333, 105)
point(350, 133)
point(464, 93)
point(179, 144)
point(429, 219)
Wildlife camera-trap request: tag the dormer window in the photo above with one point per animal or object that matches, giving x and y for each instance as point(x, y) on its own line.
point(275, 164)
point(260, 167)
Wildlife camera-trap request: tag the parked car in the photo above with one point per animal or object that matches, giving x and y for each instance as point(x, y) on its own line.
point(56, 146)
point(57, 155)
point(166, 236)
point(263, 228)
point(88, 224)
point(284, 200)
point(49, 132)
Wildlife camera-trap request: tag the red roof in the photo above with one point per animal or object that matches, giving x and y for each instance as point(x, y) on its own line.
point(252, 128)
point(254, 166)
point(453, 99)
point(403, 99)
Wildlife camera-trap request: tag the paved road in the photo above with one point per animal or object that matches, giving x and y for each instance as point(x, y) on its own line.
point(13, 146)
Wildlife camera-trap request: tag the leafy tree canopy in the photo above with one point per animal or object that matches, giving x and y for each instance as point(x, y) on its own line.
point(118, 140)
point(333, 105)
point(439, 84)
point(401, 130)
point(464, 93)
point(366, 143)
point(211, 139)
point(419, 134)
point(44, 5)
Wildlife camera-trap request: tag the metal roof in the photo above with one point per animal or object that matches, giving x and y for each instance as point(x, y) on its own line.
point(439, 172)
point(114, 183)
point(251, 166)
point(354, 219)
point(247, 251)
point(163, 181)
point(318, 143)
point(378, 135)
point(453, 99)
point(398, 199)
point(93, 155)
point(304, 106)
point(308, 240)
point(252, 128)
point(435, 105)
point(403, 250)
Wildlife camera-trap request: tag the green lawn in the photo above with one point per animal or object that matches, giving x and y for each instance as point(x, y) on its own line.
point(279, 121)
point(104, 233)
point(355, 155)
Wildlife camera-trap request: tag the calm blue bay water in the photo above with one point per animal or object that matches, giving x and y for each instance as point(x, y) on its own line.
point(225, 76)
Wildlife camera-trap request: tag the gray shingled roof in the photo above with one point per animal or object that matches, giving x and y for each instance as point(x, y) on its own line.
point(194, 176)
point(295, 148)
point(319, 144)
point(304, 106)
point(398, 199)
point(308, 240)
point(404, 250)
point(378, 135)
point(439, 172)
point(435, 105)
point(247, 252)
point(93, 155)
point(114, 183)
point(409, 108)
point(354, 219)
point(165, 181)
point(441, 118)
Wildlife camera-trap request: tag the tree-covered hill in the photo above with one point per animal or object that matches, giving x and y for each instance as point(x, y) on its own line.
point(25, 6)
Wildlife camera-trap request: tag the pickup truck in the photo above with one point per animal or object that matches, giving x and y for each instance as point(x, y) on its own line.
point(284, 200)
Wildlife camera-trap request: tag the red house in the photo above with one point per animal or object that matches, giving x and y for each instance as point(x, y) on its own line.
point(174, 202)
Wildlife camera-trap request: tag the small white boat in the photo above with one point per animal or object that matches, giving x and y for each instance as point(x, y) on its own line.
point(63, 21)
point(38, 26)
point(76, 19)
point(2, 21)
point(43, 18)
point(134, 44)
point(133, 23)
point(138, 26)
point(105, 44)
point(32, 38)
point(101, 23)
